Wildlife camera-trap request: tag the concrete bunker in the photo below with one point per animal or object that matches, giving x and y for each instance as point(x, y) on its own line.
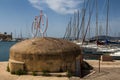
point(38, 54)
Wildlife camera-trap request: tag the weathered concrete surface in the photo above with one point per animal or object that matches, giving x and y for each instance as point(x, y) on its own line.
point(44, 54)
point(4, 75)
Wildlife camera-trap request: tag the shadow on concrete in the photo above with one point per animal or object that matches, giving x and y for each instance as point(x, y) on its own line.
point(85, 70)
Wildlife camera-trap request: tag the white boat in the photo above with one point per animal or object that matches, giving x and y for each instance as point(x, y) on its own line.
point(107, 49)
point(88, 48)
point(115, 54)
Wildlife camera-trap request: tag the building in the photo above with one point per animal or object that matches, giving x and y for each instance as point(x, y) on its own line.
point(5, 37)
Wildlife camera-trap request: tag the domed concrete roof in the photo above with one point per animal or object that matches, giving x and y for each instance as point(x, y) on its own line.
point(45, 46)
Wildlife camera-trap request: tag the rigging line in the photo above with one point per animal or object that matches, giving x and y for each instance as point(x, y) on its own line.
point(88, 22)
point(84, 11)
point(79, 16)
point(74, 26)
point(75, 29)
point(104, 5)
point(69, 30)
point(103, 8)
point(80, 20)
point(77, 24)
point(66, 31)
point(89, 15)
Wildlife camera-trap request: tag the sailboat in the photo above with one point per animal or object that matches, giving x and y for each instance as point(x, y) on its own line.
point(108, 48)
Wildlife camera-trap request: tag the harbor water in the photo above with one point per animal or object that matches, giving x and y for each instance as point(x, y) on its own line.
point(5, 49)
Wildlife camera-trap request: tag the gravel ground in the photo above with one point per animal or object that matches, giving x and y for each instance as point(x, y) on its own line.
point(109, 71)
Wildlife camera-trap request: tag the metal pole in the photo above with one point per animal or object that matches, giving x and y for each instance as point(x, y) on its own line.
point(99, 63)
point(81, 60)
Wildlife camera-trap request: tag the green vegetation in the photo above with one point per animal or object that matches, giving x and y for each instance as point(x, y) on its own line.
point(69, 73)
point(46, 73)
point(19, 72)
point(34, 73)
point(8, 69)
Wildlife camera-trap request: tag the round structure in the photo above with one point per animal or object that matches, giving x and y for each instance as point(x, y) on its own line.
point(43, 54)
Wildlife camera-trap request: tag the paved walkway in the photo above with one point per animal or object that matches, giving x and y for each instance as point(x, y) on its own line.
point(103, 64)
point(109, 71)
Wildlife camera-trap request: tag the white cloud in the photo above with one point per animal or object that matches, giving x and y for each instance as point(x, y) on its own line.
point(59, 6)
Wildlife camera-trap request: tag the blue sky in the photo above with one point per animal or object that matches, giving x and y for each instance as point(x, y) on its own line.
point(17, 15)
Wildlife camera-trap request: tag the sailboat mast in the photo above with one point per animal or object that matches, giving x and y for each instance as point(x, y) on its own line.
point(107, 17)
point(89, 15)
point(21, 34)
point(83, 19)
point(74, 26)
point(77, 25)
point(91, 11)
point(83, 24)
point(96, 20)
point(15, 34)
